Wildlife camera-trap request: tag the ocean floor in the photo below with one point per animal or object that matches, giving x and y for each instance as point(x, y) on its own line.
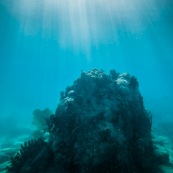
point(10, 146)
point(163, 145)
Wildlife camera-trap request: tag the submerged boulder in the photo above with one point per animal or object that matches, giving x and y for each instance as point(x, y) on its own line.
point(101, 125)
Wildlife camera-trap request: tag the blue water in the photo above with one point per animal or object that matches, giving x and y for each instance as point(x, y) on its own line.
point(45, 44)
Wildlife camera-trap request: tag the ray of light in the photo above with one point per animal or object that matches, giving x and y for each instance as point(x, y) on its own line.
point(80, 24)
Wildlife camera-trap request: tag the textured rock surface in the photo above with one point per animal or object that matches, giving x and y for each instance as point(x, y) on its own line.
point(100, 125)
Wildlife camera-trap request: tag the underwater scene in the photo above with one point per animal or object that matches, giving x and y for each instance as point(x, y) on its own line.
point(86, 86)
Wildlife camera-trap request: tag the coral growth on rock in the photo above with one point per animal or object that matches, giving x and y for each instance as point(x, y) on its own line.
point(100, 126)
point(34, 156)
point(40, 117)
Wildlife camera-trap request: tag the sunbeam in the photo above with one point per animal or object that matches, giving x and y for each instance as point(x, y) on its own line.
point(80, 24)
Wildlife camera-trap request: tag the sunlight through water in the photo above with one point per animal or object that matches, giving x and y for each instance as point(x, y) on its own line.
point(80, 24)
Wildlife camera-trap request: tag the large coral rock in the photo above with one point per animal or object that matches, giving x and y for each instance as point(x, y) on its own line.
point(101, 125)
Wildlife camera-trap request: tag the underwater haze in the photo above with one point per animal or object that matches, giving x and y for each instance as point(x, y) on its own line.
point(46, 44)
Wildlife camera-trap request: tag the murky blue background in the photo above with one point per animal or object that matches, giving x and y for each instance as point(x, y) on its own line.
point(45, 44)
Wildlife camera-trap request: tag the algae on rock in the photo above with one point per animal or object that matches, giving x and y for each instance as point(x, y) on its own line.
point(100, 126)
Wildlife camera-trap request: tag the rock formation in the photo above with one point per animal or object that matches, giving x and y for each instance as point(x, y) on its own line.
point(100, 126)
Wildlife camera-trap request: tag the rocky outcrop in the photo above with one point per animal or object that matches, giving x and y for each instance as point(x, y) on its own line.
point(100, 126)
